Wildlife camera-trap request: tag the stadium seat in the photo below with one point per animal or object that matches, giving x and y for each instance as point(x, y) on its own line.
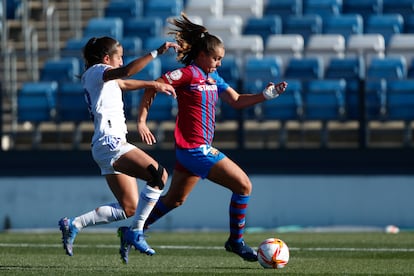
point(71, 107)
point(400, 100)
point(244, 46)
point(74, 46)
point(163, 9)
point(401, 45)
point(143, 28)
point(305, 25)
point(324, 8)
point(385, 24)
point(326, 46)
point(403, 7)
point(365, 8)
point(325, 100)
point(230, 71)
point(366, 46)
point(169, 59)
point(205, 9)
point(124, 9)
point(61, 70)
point(244, 8)
point(343, 24)
point(375, 99)
point(352, 70)
point(163, 108)
point(307, 68)
point(285, 46)
point(283, 8)
point(36, 103)
point(70, 103)
point(259, 72)
point(131, 46)
point(265, 26)
point(390, 68)
point(287, 107)
point(104, 26)
point(225, 27)
point(131, 98)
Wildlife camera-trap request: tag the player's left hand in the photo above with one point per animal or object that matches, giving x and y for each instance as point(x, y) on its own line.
point(167, 45)
point(146, 135)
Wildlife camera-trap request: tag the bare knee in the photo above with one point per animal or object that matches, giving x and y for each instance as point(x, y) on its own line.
point(173, 203)
point(130, 210)
point(244, 188)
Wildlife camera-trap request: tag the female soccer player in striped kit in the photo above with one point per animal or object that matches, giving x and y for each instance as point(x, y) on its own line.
point(198, 86)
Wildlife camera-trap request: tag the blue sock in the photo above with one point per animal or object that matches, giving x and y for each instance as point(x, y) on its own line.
point(237, 211)
point(158, 212)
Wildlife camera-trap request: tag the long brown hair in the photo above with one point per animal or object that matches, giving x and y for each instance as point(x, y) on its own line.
point(97, 48)
point(193, 39)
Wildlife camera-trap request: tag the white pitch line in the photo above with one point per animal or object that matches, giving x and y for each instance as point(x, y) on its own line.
point(182, 247)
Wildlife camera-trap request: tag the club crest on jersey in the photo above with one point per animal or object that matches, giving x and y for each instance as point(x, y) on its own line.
point(176, 75)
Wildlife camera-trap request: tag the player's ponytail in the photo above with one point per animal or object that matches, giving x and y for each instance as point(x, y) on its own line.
point(193, 39)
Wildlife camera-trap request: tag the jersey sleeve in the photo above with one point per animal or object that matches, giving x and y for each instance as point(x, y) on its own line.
point(179, 77)
point(222, 85)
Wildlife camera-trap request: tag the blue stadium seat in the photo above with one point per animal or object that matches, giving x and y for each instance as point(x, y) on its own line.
point(365, 8)
point(305, 25)
point(400, 105)
point(375, 99)
point(61, 70)
point(352, 70)
point(169, 59)
point(306, 68)
point(74, 46)
point(390, 68)
point(131, 45)
point(14, 9)
point(258, 72)
point(143, 28)
point(324, 100)
point(400, 100)
point(163, 9)
point(344, 24)
point(164, 108)
point(131, 98)
point(287, 107)
point(385, 24)
point(36, 102)
point(324, 8)
point(265, 26)
point(230, 71)
point(70, 103)
point(283, 8)
point(124, 8)
point(403, 7)
point(104, 26)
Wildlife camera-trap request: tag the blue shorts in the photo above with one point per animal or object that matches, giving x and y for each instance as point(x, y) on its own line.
point(198, 161)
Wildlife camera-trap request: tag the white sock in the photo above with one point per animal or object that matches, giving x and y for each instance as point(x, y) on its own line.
point(101, 215)
point(148, 197)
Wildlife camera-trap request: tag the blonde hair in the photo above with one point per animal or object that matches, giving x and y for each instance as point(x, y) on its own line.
point(193, 39)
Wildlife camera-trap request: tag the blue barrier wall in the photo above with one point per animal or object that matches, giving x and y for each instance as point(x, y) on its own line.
point(277, 201)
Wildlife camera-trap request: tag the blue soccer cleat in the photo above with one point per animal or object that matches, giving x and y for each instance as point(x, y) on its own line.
point(241, 249)
point(125, 246)
point(137, 239)
point(69, 232)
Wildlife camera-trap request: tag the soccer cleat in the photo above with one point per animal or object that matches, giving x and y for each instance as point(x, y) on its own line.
point(137, 239)
point(125, 246)
point(69, 232)
point(241, 249)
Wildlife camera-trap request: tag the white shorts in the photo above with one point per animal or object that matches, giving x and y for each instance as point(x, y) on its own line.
point(107, 150)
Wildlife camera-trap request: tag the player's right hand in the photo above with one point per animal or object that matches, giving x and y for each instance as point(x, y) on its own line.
point(146, 135)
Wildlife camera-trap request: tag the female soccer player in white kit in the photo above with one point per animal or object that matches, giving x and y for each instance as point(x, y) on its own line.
point(120, 162)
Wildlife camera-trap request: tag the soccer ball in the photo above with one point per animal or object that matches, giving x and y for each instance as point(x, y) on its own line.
point(273, 253)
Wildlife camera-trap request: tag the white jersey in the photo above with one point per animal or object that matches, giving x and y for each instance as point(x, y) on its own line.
point(105, 103)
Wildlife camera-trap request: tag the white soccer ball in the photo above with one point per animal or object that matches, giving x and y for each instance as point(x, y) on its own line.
point(273, 253)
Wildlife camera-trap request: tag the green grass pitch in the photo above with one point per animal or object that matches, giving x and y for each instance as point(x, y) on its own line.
point(202, 253)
